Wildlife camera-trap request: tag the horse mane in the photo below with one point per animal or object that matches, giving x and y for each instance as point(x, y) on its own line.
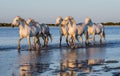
point(59, 17)
point(72, 21)
point(23, 20)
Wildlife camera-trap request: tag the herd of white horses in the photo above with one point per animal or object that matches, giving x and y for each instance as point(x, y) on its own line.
point(68, 28)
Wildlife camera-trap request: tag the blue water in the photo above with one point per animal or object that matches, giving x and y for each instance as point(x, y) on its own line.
point(48, 62)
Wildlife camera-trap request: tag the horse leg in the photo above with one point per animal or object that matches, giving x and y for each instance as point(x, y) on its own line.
point(100, 38)
point(44, 38)
point(46, 41)
point(93, 39)
point(19, 42)
point(81, 39)
point(60, 40)
point(67, 40)
point(36, 41)
point(50, 36)
point(74, 41)
point(86, 37)
point(103, 35)
point(76, 36)
point(29, 43)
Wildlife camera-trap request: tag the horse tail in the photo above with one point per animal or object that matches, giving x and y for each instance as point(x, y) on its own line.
point(50, 36)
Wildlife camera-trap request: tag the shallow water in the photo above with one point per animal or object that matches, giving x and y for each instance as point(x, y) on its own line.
point(96, 60)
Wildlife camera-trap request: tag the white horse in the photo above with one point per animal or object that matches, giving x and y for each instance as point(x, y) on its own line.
point(63, 29)
point(94, 29)
point(44, 32)
point(25, 30)
point(72, 30)
point(81, 29)
point(35, 26)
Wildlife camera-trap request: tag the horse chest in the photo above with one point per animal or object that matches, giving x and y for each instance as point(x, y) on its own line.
point(63, 30)
point(23, 33)
point(80, 30)
point(90, 30)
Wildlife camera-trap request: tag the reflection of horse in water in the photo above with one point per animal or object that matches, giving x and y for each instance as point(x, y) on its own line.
point(69, 61)
point(30, 64)
point(80, 60)
point(27, 62)
point(95, 55)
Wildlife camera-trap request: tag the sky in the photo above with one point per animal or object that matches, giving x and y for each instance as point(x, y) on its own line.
point(46, 11)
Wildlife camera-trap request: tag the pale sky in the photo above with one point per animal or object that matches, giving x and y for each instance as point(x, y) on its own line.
point(46, 11)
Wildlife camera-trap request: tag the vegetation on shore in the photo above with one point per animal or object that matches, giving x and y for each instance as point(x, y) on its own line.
point(111, 23)
point(5, 24)
point(106, 24)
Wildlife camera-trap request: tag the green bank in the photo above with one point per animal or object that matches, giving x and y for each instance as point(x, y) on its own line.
point(105, 23)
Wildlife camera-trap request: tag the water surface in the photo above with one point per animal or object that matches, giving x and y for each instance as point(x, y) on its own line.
point(92, 61)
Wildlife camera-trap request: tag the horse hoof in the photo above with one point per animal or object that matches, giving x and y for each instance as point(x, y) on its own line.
point(18, 48)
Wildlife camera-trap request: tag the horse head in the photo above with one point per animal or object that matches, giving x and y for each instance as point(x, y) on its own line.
point(65, 21)
point(70, 20)
point(88, 21)
point(59, 20)
point(16, 21)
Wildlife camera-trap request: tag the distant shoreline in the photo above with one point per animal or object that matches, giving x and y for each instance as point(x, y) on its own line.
point(105, 24)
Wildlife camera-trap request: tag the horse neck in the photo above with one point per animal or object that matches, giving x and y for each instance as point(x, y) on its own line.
point(72, 23)
point(61, 20)
point(63, 23)
point(23, 24)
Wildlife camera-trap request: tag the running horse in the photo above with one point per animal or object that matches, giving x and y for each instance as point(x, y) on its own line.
point(25, 30)
point(95, 29)
point(72, 30)
point(44, 32)
point(63, 29)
